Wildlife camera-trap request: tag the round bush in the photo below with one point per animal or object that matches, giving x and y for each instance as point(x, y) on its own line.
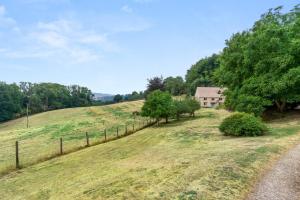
point(242, 124)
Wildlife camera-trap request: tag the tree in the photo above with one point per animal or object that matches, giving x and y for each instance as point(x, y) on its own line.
point(80, 96)
point(261, 66)
point(181, 107)
point(158, 105)
point(118, 98)
point(201, 73)
point(193, 106)
point(10, 101)
point(174, 85)
point(133, 96)
point(155, 83)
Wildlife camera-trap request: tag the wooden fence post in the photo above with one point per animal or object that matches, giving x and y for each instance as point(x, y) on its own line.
point(117, 131)
point(61, 146)
point(17, 155)
point(104, 134)
point(87, 139)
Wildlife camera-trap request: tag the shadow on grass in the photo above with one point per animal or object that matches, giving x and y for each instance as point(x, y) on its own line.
point(183, 119)
point(276, 116)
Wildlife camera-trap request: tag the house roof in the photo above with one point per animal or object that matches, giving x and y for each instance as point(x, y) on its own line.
point(209, 92)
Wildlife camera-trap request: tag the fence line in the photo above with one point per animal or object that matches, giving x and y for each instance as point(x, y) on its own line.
point(62, 150)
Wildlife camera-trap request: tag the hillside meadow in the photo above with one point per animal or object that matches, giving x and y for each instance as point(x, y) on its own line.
point(187, 159)
point(41, 139)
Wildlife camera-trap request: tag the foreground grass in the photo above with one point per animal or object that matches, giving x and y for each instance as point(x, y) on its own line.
point(182, 160)
point(41, 139)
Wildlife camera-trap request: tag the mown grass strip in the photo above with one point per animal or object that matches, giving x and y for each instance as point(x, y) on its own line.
point(73, 150)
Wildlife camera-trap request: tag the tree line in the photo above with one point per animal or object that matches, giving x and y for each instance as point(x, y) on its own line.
point(129, 97)
point(39, 97)
point(199, 74)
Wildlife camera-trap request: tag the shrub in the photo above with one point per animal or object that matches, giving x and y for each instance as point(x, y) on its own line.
point(242, 124)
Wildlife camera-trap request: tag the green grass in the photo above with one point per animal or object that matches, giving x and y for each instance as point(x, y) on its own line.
point(189, 159)
point(41, 139)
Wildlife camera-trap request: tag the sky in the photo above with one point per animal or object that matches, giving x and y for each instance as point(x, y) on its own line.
point(114, 46)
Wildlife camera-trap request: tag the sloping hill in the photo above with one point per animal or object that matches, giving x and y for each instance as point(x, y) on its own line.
point(41, 139)
point(182, 160)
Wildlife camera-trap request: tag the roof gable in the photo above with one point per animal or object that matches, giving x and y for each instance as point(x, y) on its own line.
point(209, 92)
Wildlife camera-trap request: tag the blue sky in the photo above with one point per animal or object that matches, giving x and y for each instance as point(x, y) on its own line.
point(113, 46)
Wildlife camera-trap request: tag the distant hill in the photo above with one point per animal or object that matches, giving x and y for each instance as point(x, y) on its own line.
point(103, 97)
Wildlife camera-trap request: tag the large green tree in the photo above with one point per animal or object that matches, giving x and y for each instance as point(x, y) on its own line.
point(201, 73)
point(261, 66)
point(158, 105)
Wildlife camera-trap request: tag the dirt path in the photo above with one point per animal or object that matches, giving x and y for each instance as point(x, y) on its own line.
point(282, 182)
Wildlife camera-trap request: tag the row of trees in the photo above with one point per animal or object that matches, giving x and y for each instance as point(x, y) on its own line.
point(174, 85)
point(38, 97)
point(129, 97)
point(160, 104)
point(199, 74)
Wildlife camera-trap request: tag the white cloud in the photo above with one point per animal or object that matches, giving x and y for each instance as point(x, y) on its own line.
point(44, 1)
point(62, 25)
point(2, 50)
point(143, 1)
point(65, 40)
point(126, 9)
point(70, 40)
point(27, 54)
point(2, 10)
point(51, 38)
point(93, 39)
point(83, 55)
point(4, 20)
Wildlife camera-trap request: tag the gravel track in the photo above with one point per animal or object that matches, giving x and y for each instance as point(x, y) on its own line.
point(282, 182)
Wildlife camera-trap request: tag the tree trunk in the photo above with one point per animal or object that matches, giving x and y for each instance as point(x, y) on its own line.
point(167, 120)
point(280, 105)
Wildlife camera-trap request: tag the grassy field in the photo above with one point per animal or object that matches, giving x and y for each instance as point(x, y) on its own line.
point(189, 159)
point(41, 139)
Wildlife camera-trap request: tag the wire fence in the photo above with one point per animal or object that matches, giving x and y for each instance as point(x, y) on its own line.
point(24, 153)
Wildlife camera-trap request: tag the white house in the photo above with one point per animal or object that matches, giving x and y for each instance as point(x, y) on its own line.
point(209, 96)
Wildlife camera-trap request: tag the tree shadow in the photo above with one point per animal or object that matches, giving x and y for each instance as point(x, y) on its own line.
point(184, 119)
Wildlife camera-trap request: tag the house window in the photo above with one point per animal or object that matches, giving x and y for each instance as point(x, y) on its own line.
point(219, 92)
point(205, 103)
point(212, 99)
point(205, 98)
point(220, 99)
